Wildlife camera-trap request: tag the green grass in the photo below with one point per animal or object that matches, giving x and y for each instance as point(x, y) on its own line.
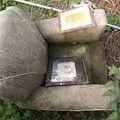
point(113, 19)
point(10, 111)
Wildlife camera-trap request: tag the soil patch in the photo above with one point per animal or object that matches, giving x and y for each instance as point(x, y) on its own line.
point(111, 6)
point(112, 47)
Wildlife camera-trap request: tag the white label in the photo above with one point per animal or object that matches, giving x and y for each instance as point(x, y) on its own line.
point(65, 71)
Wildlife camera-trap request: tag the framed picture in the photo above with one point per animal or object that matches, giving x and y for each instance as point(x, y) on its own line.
point(76, 18)
point(67, 71)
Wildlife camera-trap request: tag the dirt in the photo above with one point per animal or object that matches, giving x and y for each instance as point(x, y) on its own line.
point(112, 47)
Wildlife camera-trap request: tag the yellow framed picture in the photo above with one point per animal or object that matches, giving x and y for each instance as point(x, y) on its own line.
point(75, 18)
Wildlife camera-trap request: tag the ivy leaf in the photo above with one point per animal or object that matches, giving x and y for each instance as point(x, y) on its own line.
point(113, 70)
point(110, 84)
point(113, 105)
point(113, 116)
point(110, 92)
point(117, 75)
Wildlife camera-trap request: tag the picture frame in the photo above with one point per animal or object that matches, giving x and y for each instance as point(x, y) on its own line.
point(67, 71)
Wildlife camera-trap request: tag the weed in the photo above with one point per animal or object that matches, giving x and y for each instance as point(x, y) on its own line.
point(113, 90)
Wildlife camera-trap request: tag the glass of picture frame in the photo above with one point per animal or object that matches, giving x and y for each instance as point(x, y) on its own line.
point(67, 71)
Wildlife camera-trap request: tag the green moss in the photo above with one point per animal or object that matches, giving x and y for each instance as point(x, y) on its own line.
point(113, 19)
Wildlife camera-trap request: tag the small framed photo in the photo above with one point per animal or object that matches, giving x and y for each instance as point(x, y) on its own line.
point(76, 18)
point(67, 71)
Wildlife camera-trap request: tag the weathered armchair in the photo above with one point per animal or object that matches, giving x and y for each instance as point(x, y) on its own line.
point(24, 50)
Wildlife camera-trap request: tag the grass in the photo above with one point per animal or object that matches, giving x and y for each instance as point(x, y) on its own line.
point(10, 111)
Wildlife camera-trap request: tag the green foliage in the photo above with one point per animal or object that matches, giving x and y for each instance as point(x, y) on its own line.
point(113, 116)
point(48, 2)
point(110, 92)
point(46, 13)
point(113, 90)
point(50, 14)
point(70, 1)
point(11, 111)
point(3, 4)
point(113, 19)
